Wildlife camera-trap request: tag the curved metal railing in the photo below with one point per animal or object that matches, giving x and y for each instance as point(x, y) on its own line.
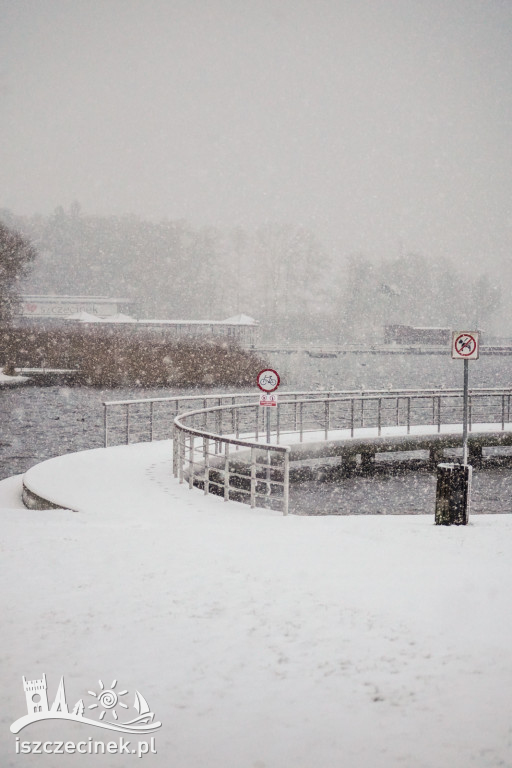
point(231, 465)
point(209, 443)
point(147, 419)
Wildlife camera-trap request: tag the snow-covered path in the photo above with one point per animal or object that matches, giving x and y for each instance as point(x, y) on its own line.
point(259, 641)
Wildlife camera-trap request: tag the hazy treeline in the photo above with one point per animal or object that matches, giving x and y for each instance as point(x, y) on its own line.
point(415, 291)
point(279, 274)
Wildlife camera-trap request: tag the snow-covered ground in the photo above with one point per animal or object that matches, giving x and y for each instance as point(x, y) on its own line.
point(259, 641)
point(11, 381)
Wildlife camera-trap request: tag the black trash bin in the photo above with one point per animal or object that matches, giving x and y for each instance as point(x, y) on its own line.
point(453, 494)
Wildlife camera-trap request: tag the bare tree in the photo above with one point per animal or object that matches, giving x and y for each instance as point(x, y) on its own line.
point(16, 253)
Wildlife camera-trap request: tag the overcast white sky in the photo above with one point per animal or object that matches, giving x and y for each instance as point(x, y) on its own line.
point(381, 124)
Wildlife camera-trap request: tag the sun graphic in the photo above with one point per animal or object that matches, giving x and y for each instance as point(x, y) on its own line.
point(108, 699)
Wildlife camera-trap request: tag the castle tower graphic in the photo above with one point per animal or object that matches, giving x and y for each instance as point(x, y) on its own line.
point(106, 701)
point(36, 695)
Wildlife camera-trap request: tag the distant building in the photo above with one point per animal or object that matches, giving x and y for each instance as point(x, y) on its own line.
point(100, 312)
point(63, 306)
point(240, 328)
point(409, 334)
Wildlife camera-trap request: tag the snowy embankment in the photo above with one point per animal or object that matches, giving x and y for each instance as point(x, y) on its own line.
point(12, 381)
point(260, 641)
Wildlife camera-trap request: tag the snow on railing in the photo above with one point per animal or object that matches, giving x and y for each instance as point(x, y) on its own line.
point(230, 465)
point(148, 419)
point(222, 446)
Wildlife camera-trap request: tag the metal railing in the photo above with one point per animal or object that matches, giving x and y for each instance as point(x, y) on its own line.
point(221, 446)
point(140, 420)
point(148, 419)
point(229, 465)
point(206, 441)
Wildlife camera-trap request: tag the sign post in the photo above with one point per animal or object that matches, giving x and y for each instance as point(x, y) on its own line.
point(465, 410)
point(453, 492)
point(268, 381)
point(465, 346)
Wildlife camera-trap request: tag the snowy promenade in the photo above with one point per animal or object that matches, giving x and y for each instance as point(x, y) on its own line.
point(260, 641)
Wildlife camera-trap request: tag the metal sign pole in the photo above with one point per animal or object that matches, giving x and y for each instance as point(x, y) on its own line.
point(465, 414)
point(453, 492)
point(268, 381)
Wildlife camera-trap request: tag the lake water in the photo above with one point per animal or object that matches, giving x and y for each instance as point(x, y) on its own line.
point(42, 422)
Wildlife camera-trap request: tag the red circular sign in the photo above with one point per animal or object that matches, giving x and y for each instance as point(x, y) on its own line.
point(465, 345)
point(268, 380)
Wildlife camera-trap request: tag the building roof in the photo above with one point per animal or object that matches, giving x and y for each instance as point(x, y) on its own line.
point(73, 299)
point(241, 320)
point(84, 317)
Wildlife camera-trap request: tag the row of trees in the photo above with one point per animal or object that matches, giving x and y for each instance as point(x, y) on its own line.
point(16, 254)
point(171, 269)
point(279, 274)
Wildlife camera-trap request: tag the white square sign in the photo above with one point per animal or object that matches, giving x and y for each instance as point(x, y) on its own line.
point(268, 399)
point(465, 345)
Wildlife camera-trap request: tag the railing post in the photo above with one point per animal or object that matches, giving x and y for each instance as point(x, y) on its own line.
point(286, 481)
point(470, 412)
point(226, 471)
point(105, 424)
point(175, 439)
point(268, 487)
point(327, 415)
point(379, 408)
point(191, 462)
point(439, 413)
point(181, 455)
point(300, 421)
point(253, 478)
point(502, 413)
point(151, 421)
point(352, 417)
point(408, 415)
point(206, 455)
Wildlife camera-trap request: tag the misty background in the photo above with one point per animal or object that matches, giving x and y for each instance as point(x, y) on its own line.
point(326, 167)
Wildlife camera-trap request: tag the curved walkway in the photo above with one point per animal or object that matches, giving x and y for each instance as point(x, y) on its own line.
point(75, 480)
point(103, 476)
